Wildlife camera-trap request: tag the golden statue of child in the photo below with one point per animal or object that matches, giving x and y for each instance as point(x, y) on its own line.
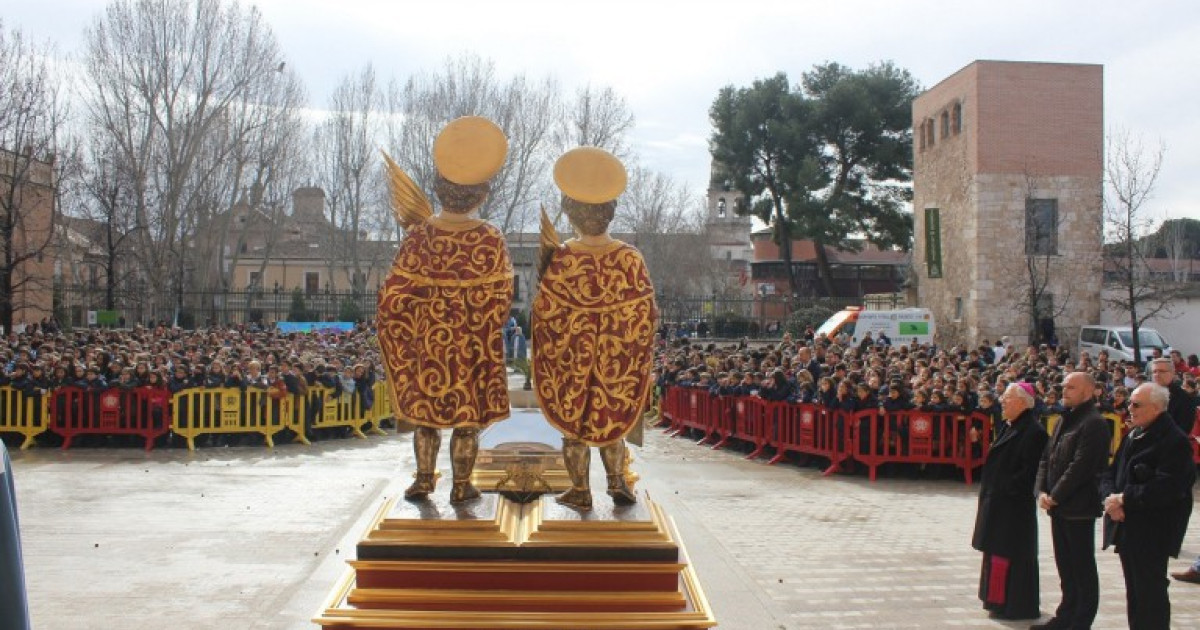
point(593, 326)
point(443, 306)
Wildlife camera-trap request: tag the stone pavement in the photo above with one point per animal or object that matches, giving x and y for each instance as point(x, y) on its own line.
point(232, 538)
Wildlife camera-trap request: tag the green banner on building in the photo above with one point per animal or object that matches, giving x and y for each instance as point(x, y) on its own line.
point(933, 242)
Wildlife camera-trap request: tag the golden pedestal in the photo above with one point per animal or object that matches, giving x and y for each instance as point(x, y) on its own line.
point(493, 563)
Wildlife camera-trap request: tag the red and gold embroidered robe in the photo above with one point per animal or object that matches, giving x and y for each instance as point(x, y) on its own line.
point(441, 315)
point(593, 335)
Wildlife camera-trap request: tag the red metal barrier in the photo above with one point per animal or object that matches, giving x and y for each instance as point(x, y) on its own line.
point(141, 412)
point(664, 414)
point(835, 434)
point(750, 422)
point(722, 411)
point(785, 426)
point(693, 410)
point(808, 429)
point(672, 409)
point(917, 437)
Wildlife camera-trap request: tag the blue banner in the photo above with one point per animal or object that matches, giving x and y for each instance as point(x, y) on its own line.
point(317, 327)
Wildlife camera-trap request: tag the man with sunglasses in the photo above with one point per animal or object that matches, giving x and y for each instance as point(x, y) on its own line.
point(1148, 490)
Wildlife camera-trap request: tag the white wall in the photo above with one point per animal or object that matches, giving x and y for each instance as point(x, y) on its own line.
point(1181, 327)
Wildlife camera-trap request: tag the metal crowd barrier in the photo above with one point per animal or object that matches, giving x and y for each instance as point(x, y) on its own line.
point(329, 411)
point(141, 412)
point(151, 413)
point(229, 410)
point(23, 413)
point(870, 437)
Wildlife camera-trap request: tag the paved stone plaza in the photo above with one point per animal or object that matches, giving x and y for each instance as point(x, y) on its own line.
point(232, 538)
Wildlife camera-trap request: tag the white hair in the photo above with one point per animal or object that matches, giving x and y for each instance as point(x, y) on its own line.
point(1166, 362)
point(1021, 393)
point(1159, 396)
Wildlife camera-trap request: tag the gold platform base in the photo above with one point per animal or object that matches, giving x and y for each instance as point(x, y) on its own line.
point(498, 564)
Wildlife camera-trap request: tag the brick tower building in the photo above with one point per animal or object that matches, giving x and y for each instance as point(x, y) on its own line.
point(1007, 187)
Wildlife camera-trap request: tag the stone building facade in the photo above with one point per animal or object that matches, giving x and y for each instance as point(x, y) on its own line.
point(1007, 200)
point(728, 237)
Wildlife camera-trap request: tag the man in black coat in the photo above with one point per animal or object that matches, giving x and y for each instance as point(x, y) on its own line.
point(1148, 502)
point(1068, 487)
point(1181, 407)
point(1006, 523)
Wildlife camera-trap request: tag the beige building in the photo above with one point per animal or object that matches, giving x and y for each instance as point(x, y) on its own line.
point(1007, 186)
point(302, 251)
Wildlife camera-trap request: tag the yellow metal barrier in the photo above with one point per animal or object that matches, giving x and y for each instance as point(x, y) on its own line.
point(1051, 422)
point(383, 402)
point(24, 414)
point(1115, 420)
point(328, 411)
point(198, 412)
point(1118, 432)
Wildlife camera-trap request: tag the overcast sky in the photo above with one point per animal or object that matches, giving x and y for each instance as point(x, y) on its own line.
point(669, 59)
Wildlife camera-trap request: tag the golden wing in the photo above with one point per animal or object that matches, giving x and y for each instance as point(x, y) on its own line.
point(549, 241)
point(409, 205)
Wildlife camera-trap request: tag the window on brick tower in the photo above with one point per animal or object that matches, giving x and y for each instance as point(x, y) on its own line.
point(956, 119)
point(945, 125)
point(929, 133)
point(1041, 227)
point(721, 208)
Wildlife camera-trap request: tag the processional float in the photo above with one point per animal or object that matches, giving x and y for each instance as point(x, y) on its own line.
point(499, 550)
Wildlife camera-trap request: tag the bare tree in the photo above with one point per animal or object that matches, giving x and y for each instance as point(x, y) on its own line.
point(661, 218)
point(108, 214)
point(346, 147)
point(596, 117)
point(525, 109)
point(1131, 171)
point(32, 116)
point(182, 88)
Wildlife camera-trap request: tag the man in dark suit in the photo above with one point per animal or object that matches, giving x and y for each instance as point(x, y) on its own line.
point(1068, 487)
point(1181, 407)
point(1006, 523)
point(1148, 502)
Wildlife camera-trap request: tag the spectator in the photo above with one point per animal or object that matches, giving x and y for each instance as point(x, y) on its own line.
point(1068, 491)
point(1148, 490)
point(1182, 407)
point(1006, 520)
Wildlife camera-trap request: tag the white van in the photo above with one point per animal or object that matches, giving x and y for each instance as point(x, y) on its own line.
point(1118, 341)
point(901, 326)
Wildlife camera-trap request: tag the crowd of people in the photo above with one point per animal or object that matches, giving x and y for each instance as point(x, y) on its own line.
point(43, 358)
point(879, 374)
point(1144, 495)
